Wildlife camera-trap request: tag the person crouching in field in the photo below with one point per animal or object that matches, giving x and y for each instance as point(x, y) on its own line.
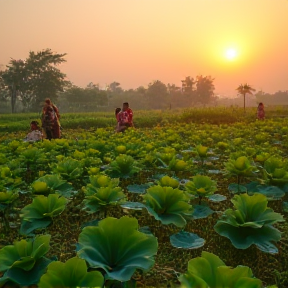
point(117, 115)
point(35, 134)
point(50, 120)
point(260, 111)
point(126, 116)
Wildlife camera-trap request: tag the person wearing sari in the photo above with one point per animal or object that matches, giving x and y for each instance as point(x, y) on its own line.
point(50, 120)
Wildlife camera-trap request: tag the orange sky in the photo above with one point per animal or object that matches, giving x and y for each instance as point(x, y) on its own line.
point(137, 41)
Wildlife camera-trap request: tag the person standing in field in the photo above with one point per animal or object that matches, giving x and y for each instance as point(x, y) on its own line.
point(50, 120)
point(260, 111)
point(118, 115)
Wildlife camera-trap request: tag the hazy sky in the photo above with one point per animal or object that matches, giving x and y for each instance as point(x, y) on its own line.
point(137, 41)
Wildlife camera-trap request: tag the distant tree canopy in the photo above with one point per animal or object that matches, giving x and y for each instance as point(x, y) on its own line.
point(34, 79)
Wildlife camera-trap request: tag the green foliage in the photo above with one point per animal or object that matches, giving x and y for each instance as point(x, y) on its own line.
point(124, 166)
point(40, 212)
point(69, 169)
point(201, 186)
point(52, 184)
point(168, 205)
point(167, 181)
point(209, 271)
point(8, 197)
point(250, 222)
point(73, 273)
point(117, 247)
point(103, 197)
point(177, 165)
point(275, 171)
point(201, 151)
point(240, 167)
point(24, 262)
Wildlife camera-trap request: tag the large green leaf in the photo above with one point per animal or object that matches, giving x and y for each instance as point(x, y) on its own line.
point(209, 271)
point(117, 246)
point(250, 223)
point(168, 205)
point(24, 261)
point(104, 196)
point(24, 253)
point(71, 274)
point(201, 186)
point(42, 207)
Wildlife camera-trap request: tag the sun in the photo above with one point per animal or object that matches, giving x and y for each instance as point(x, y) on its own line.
point(231, 54)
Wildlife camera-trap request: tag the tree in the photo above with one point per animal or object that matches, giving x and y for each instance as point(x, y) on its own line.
point(35, 78)
point(45, 80)
point(204, 89)
point(14, 80)
point(244, 89)
point(114, 87)
point(188, 85)
point(157, 94)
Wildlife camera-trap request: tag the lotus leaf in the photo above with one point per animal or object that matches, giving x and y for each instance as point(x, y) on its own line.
point(8, 197)
point(69, 169)
point(54, 184)
point(167, 181)
point(209, 271)
point(40, 212)
point(275, 171)
point(117, 246)
point(71, 274)
point(24, 261)
point(201, 186)
point(124, 166)
point(250, 223)
point(104, 196)
point(240, 167)
point(168, 205)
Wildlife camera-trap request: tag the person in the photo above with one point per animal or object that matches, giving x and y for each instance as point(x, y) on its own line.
point(260, 111)
point(35, 133)
point(126, 117)
point(117, 115)
point(50, 120)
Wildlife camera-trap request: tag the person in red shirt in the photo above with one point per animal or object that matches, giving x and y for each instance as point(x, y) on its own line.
point(125, 118)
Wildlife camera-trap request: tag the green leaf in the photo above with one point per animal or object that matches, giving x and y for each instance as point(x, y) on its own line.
point(237, 188)
point(168, 205)
point(139, 189)
point(73, 273)
point(250, 223)
point(210, 271)
point(201, 211)
point(186, 240)
point(117, 246)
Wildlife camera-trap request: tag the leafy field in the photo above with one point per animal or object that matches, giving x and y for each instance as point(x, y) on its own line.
point(138, 206)
point(143, 119)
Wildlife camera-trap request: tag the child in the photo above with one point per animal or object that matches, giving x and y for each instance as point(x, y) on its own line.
point(35, 134)
point(118, 115)
point(260, 111)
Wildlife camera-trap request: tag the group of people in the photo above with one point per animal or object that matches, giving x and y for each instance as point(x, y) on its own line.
point(50, 124)
point(124, 117)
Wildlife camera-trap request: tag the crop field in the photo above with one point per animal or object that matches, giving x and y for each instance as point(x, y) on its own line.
point(188, 200)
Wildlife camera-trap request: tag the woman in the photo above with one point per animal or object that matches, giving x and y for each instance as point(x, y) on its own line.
point(260, 111)
point(35, 133)
point(50, 120)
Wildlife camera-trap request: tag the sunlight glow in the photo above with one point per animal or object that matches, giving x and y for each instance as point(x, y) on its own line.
point(231, 54)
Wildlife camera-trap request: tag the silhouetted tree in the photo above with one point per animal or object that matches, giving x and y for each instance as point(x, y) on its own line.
point(204, 89)
point(157, 94)
point(14, 80)
point(188, 85)
point(244, 89)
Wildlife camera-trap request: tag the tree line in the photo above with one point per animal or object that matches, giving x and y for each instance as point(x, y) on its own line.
point(26, 83)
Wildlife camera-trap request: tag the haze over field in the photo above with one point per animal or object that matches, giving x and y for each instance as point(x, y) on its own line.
point(135, 42)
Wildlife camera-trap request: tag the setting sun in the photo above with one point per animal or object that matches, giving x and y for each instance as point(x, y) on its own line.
point(231, 54)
